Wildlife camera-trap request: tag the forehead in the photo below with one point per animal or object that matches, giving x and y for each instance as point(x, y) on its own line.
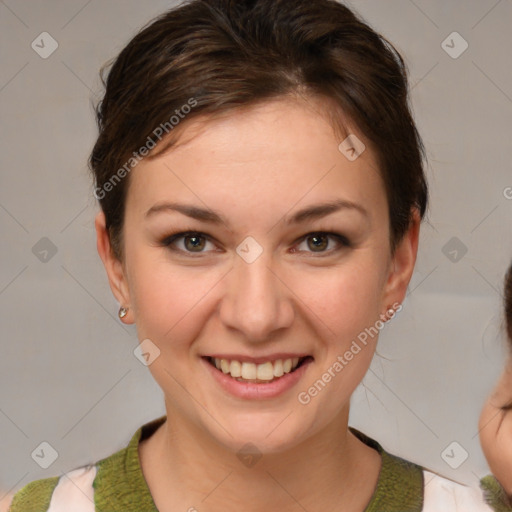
point(284, 150)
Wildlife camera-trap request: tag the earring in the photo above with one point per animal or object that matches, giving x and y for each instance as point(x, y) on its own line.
point(122, 312)
point(390, 313)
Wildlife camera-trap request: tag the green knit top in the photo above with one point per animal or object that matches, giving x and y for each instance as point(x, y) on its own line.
point(119, 485)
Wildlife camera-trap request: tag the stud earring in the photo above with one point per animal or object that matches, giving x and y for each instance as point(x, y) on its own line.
point(122, 312)
point(390, 313)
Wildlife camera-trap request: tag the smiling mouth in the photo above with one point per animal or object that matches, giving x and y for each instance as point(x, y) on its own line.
point(263, 373)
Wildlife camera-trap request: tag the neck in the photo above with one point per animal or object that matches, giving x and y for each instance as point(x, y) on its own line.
point(186, 469)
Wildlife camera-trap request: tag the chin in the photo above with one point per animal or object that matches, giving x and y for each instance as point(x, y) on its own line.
point(263, 433)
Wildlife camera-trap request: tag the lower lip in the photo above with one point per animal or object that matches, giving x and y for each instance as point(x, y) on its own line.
point(253, 391)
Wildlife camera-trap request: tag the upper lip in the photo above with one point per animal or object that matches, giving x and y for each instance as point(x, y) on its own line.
point(260, 359)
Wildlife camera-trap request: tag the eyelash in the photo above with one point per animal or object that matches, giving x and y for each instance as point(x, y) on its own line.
point(341, 240)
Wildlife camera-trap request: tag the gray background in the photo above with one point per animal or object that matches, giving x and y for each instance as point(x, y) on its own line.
point(68, 373)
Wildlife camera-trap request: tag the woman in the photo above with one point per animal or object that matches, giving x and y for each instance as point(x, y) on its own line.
point(495, 424)
point(261, 184)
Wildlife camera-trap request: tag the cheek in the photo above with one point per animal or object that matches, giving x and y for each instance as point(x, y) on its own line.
point(346, 300)
point(168, 300)
point(344, 306)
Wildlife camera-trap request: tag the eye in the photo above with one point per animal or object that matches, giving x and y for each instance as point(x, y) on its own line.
point(188, 241)
point(322, 242)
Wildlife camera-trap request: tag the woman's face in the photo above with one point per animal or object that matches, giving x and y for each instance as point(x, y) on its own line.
point(287, 257)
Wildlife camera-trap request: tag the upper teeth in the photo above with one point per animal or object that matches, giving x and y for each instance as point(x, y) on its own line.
point(251, 371)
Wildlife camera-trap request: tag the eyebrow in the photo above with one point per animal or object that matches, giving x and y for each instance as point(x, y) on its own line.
point(321, 210)
point(194, 212)
point(206, 215)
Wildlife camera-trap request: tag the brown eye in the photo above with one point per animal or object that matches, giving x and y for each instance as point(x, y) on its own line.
point(194, 243)
point(189, 242)
point(318, 243)
point(322, 243)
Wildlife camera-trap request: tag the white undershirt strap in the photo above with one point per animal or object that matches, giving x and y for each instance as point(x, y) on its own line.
point(74, 488)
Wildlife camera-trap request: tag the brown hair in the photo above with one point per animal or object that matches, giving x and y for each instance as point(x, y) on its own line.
point(508, 303)
point(212, 56)
point(508, 319)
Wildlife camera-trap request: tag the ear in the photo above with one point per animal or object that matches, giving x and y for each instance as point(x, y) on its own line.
point(402, 264)
point(114, 267)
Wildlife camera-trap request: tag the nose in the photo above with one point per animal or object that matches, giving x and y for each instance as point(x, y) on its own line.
point(257, 302)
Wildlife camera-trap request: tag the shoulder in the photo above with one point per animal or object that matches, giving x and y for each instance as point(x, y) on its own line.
point(49, 494)
point(441, 494)
point(406, 486)
point(115, 480)
point(495, 494)
point(34, 496)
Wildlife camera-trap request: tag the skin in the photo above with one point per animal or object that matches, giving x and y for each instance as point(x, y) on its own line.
point(5, 502)
point(495, 427)
point(257, 167)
